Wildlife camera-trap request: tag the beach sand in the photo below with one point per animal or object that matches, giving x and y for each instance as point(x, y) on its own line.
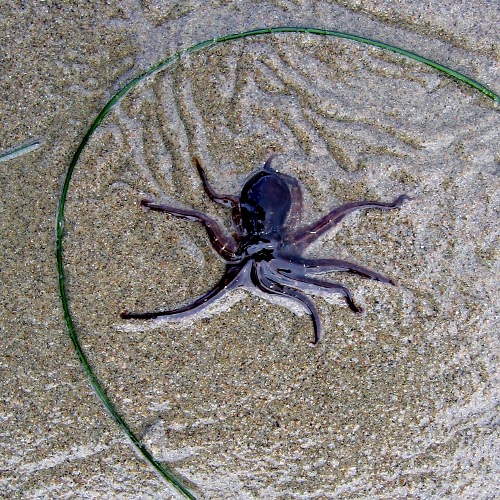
point(400, 402)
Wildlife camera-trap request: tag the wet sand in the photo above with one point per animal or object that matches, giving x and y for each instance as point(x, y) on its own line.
point(399, 402)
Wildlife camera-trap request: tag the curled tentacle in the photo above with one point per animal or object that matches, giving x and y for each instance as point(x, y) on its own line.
point(268, 282)
point(227, 200)
point(305, 283)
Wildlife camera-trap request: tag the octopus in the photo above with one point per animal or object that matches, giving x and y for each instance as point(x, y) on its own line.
point(266, 248)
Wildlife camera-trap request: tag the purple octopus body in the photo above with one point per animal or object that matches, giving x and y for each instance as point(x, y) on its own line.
point(266, 248)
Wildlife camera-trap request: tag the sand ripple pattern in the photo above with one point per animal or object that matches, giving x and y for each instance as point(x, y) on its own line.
point(239, 403)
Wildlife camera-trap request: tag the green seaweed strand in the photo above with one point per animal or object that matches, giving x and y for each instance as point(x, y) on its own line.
point(164, 471)
point(23, 149)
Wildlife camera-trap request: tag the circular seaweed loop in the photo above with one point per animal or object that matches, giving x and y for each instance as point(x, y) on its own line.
point(164, 471)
